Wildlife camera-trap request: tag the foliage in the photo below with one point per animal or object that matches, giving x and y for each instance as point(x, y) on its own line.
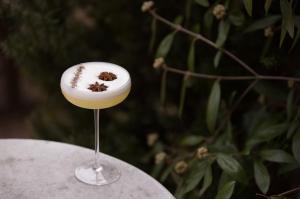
point(236, 140)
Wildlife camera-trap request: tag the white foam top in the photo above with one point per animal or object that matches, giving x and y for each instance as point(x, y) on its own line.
point(89, 75)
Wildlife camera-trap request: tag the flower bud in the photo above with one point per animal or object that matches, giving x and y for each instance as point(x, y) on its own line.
point(291, 83)
point(147, 5)
point(160, 157)
point(201, 152)
point(152, 138)
point(158, 62)
point(181, 167)
point(219, 11)
point(268, 31)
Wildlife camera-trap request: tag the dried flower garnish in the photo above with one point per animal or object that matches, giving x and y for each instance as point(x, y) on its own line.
point(96, 87)
point(77, 76)
point(107, 76)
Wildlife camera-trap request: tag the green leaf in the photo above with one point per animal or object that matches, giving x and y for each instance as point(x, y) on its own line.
point(167, 172)
point(182, 95)
point(195, 175)
point(248, 6)
point(213, 106)
point(191, 57)
point(217, 59)
point(292, 128)
point(289, 105)
point(264, 133)
point(192, 140)
point(237, 19)
point(287, 16)
point(226, 191)
point(276, 155)
point(153, 34)
point(263, 23)
point(282, 36)
point(262, 177)
point(224, 27)
point(207, 181)
point(203, 3)
point(296, 145)
point(208, 20)
point(178, 19)
point(165, 45)
point(267, 5)
point(163, 87)
point(231, 166)
point(297, 23)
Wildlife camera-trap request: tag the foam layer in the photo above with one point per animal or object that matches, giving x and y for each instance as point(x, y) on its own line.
point(89, 75)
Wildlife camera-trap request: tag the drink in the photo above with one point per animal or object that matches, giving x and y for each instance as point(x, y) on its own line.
point(96, 85)
point(76, 82)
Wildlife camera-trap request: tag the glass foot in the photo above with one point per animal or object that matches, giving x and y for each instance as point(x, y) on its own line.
point(103, 175)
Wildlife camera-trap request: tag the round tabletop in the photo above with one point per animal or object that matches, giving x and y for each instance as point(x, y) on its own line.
point(35, 169)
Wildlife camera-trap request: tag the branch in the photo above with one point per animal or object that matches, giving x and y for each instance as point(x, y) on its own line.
point(289, 191)
point(221, 77)
point(179, 28)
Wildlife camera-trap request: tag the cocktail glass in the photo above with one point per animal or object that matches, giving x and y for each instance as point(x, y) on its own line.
point(96, 85)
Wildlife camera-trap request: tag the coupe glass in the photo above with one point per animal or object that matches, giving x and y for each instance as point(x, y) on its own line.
point(96, 85)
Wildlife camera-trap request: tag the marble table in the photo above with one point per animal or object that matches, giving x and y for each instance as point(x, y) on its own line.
point(35, 169)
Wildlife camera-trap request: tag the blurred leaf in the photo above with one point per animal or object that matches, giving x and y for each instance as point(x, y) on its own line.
point(191, 140)
point(296, 145)
point(263, 23)
point(262, 177)
point(237, 19)
point(224, 27)
point(153, 34)
point(264, 133)
point(217, 59)
point(231, 166)
point(297, 24)
point(276, 155)
point(194, 176)
point(204, 3)
point(178, 19)
point(287, 16)
point(213, 106)
point(165, 45)
point(157, 169)
point(163, 86)
point(207, 181)
point(269, 89)
point(226, 191)
point(208, 22)
point(282, 35)
point(248, 6)
point(167, 172)
point(285, 168)
point(289, 105)
point(292, 128)
point(267, 5)
point(182, 95)
point(191, 57)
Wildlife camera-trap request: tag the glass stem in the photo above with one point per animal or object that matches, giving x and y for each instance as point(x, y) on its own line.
point(97, 148)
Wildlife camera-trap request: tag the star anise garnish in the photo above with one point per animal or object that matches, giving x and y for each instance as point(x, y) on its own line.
point(96, 87)
point(107, 76)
